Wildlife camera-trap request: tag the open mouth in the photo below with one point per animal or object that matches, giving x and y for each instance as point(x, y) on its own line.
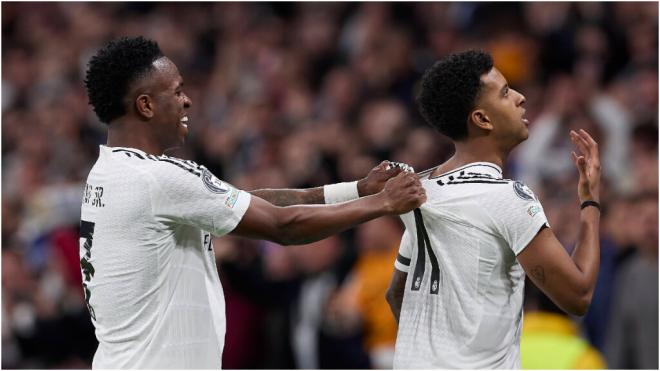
point(184, 121)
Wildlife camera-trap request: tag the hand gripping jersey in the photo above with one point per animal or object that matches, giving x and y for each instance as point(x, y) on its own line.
point(462, 306)
point(149, 274)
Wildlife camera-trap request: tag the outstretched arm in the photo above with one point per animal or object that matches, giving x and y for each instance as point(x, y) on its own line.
point(308, 223)
point(371, 184)
point(570, 280)
point(288, 197)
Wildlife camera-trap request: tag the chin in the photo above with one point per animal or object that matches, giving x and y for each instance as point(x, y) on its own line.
point(521, 138)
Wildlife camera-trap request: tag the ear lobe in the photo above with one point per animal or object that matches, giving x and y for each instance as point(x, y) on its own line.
point(144, 106)
point(481, 120)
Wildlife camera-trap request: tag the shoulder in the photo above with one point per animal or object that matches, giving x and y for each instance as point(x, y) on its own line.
point(169, 171)
point(514, 191)
point(162, 166)
point(514, 204)
point(186, 173)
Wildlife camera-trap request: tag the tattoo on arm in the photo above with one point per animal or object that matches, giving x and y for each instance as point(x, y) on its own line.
point(539, 273)
point(288, 197)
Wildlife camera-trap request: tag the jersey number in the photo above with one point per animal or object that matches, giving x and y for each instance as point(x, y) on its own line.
point(87, 236)
point(424, 245)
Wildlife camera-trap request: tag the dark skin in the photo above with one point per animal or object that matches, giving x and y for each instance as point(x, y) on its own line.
point(371, 184)
point(157, 120)
point(495, 127)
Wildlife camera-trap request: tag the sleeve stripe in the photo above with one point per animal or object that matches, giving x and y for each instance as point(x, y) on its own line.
point(188, 169)
point(403, 260)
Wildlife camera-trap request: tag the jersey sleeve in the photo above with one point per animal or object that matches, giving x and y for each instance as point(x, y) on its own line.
point(187, 193)
point(517, 215)
point(402, 261)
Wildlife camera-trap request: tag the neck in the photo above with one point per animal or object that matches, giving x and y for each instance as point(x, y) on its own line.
point(473, 150)
point(127, 133)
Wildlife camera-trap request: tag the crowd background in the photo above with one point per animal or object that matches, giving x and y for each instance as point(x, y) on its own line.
point(304, 94)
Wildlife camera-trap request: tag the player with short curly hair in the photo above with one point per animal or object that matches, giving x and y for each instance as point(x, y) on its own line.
point(449, 90)
point(457, 288)
point(149, 273)
point(113, 69)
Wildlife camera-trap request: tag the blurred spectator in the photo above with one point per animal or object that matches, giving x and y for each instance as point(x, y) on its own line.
point(359, 306)
point(632, 338)
point(303, 94)
point(617, 244)
point(551, 340)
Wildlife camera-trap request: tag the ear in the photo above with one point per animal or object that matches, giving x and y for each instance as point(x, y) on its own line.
point(481, 120)
point(144, 106)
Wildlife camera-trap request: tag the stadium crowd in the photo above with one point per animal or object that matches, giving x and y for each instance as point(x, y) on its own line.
point(304, 94)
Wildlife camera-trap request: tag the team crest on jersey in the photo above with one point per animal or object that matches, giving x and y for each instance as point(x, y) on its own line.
point(523, 191)
point(214, 184)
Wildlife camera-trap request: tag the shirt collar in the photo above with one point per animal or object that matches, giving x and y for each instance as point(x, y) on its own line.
point(107, 149)
point(487, 168)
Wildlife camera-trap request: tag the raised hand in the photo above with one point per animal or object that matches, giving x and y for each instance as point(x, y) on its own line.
point(588, 165)
point(403, 193)
point(378, 176)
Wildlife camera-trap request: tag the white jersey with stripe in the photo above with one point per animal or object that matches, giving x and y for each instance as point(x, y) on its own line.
point(149, 273)
point(462, 305)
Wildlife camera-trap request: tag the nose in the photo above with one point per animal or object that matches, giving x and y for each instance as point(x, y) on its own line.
point(186, 101)
point(522, 99)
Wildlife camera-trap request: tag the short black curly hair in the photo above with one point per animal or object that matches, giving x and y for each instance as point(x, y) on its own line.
point(112, 70)
point(449, 90)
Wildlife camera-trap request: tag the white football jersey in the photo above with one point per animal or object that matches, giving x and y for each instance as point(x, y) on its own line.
point(149, 272)
point(462, 305)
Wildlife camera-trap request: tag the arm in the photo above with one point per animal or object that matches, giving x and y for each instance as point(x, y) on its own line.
point(303, 224)
point(394, 295)
point(570, 280)
point(288, 197)
point(371, 184)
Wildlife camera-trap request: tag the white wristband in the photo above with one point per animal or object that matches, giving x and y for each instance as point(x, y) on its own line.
point(340, 192)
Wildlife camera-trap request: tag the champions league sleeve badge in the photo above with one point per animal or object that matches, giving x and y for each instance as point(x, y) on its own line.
point(214, 184)
point(523, 191)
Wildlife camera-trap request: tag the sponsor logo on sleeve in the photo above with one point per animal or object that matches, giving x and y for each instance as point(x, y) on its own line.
point(523, 191)
point(214, 184)
point(533, 210)
point(231, 200)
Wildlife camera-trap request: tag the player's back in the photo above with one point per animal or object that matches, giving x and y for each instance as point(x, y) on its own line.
point(462, 304)
point(149, 276)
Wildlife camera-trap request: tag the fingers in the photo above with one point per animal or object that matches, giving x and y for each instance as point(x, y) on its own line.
point(589, 148)
point(588, 139)
point(409, 181)
point(580, 142)
point(422, 196)
point(589, 144)
point(388, 169)
point(594, 157)
point(580, 163)
point(407, 192)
